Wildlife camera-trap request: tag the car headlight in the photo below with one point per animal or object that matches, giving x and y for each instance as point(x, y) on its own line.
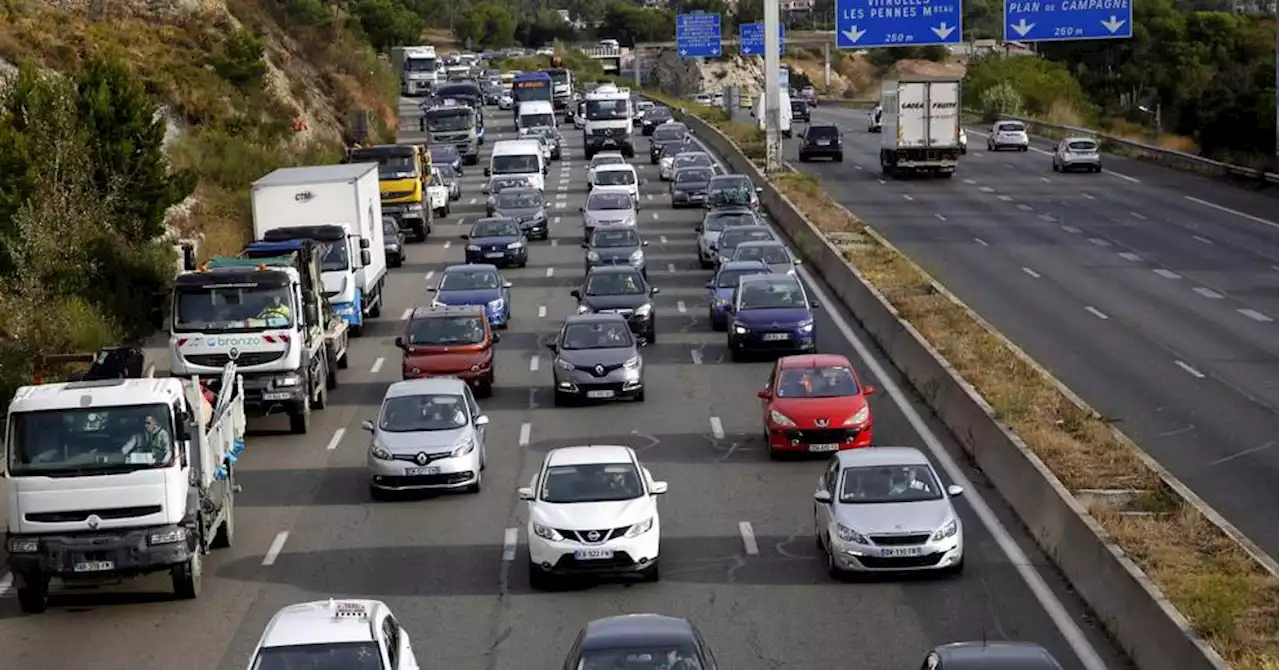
point(850, 535)
point(380, 452)
point(632, 364)
point(583, 309)
point(548, 534)
point(644, 310)
point(287, 380)
point(465, 448)
point(781, 419)
point(564, 365)
point(515, 245)
point(860, 417)
point(169, 536)
point(495, 304)
point(806, 327)
point(739, 329)
point(593, 256)
point(473, 247)
point(722, 302)
point(637, 256)
point(23, 545)
point(636, 530)
point(951, 528)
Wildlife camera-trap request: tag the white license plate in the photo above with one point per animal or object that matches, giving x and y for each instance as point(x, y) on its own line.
point(599, 394)
point(593, 554)
point(697, 196)
point(416, 472)
point(901, 552)
point(276, 396)
point(494, 254)
point(823, 447)
point(824, 143)
point(775, 337)
point(95, 566)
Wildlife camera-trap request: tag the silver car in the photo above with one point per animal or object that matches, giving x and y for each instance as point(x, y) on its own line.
point(616, 245)
point(884, 509)
point(1077, 153)
point(597, 358)
point(550, 137)
point(452, 180)
point(774, 254)
point(430, 435)
point(714, 223)
point(607, 208)
point(729, 240)
point(499, 184)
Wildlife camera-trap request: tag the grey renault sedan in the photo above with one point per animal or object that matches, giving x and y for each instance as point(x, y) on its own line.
point(596, 358)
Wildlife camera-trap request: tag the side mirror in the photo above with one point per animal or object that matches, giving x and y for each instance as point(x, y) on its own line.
point(432, 289)
point(644, 243)
point(364, 243)
point(759, 189)
point(797, 261)
point(488, 172)
point(365, 257)
point(576, 294)
point(822, 496)
point(655, 291)
point(484, 190)
point(814, 305)
point(506, 284)
point(367, 425)
point(585, 245)
point(497, 337)
point(710, 285)
point(401, 344)
point(658, 488)
point(465, 236)
point(553, 347)
point(954, 490)
point(582, 209)
point(764, 394)
point(482, 420)
point(524, 493)
point(868, 390)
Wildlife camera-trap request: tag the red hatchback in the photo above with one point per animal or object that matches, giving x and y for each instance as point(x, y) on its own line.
point(815, 404)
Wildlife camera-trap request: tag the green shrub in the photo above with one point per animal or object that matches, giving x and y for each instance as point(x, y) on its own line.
point(239, 60)
point(1042, 84)
point(1002, 98)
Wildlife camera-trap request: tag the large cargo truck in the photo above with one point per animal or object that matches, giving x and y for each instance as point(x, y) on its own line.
point(921, 121)
point(418, 69)
point(403, 173)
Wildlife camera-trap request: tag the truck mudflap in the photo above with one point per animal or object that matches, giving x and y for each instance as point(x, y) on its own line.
point(106, 556)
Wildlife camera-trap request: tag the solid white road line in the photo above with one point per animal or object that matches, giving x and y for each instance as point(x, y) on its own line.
point(1228, 210)
point(1031, 272)
point(1123, 176)
point(696, 355)
point(407, 313)
point(542, 311)
point(1255, 315)
point(1208, 293)
point(525, 429)
point(748, 538)
point(1096, 312)
point(336, 439)
point(377, 365)
point(680, 307)
point(717, 428)
point(1167, 274)
point(510, 537)
point(533, 364)
point(1129, 256)
point(1189, 370)
point(273, 552)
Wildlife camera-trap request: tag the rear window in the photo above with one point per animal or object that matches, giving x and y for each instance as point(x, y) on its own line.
point(688, 176)
point(1083, 146)
point(1011, 127)
point(822, 132)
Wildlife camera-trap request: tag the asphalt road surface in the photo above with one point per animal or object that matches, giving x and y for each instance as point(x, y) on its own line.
point(1150, 292)
point(737, 556)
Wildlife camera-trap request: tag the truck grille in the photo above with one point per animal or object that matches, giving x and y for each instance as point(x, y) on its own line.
point(607, 132)
point(221, 360)
point(463, 137)
point(396, 195)
point(78, 515)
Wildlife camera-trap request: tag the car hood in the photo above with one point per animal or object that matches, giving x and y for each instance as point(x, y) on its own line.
point(805, 410)
point(613, 188)
point(500, 240)
point(601, 216)
point(444, 359)
point(920, 517)
point(584, 357)
point(711, 236)
point(614, 252)
point(517, 213)
point(599, 302)
point(431, 441)
point(472, 297)
point(593, 515)
point(781, 315)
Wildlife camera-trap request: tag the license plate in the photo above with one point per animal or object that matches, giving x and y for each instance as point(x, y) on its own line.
point(824, 143)
point(610, 143)
point(696, 196)
point(95, 566)
point(775, 337)
point(901, 552)
point(495, 254)
point(823, 447)
point(599, 394)
point(276, 396)
point(593, 554)
point(417, 472)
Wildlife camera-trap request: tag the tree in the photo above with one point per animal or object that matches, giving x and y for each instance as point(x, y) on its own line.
point(488, 24)
point(388, 23)
point(631, 24)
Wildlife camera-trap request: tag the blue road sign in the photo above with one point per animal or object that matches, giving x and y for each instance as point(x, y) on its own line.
point(751, 38)
point(862, 24)
point(698, 35)
point(1058, 20)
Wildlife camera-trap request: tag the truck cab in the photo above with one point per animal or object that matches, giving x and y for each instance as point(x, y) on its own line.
point(561, 89)
point(608, 121)
point(456, 124)
point(345, 255)
point(402, 177)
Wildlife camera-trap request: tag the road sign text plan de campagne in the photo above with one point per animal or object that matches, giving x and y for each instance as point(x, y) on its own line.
point(698, 35)
point(1056, 20)
point(862, 24)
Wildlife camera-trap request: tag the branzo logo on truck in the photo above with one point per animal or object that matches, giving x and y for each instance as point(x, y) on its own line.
point(218, 342)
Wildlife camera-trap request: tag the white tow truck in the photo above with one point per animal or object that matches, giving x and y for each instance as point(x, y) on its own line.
point(95, 496)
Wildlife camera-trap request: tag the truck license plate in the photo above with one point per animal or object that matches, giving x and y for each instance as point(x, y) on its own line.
point(417, 472)
point(276, 396)
point(600, 394)
point(95, 566)
point(593, 554)
point(775, 337)
point(823, 447)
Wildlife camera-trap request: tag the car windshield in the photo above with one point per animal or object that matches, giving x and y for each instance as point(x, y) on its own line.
point(389, 229)
point(446, 330)
point(718, 222)
point(345, 655)
point(429, 411)
point(615, 178)
point(771, 294)
point(657, 114)
point(664, 656)
point(591, 482)
point(395, 167)
point(476, 280)
point(615, 283)
point(1010, 127)
point(520, 199)
point(729, 278)
point(500, 185)
point(822, 132)
point(825, 381)
point(798, 105)
point(515, 164)
point(606, 110)
point(888, 484)
point(500, 228)
point(669, 133)
point(608, 201)
point(447, 173)
point(1083, 146)
point(90, 441)
point(597, 335)
point(444, 154)
point(693, 160)
point(694, 176)
point(730, 239)
point(770, 254)
point(531, 120)
point(454, 119)
point(626, 237)
point(231, 307)
point(608, 160)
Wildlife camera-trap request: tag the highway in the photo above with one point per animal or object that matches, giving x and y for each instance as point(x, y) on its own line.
point(1152, 293)
point(738, 554)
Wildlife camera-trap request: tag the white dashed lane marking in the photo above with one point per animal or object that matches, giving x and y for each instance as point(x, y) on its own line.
point(1129, 256)
point(1189, 370)
point(337, 437)
point(717, 428)
point(1031, 272)
point(1167, 274)
point(1255, 315)
point(377, 365)
point(1096, 312)
point(525, 429)
point(748, 538)
point(277, 545)
point(1208, 293)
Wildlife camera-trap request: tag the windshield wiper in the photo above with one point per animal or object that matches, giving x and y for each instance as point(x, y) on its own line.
point(95, 470)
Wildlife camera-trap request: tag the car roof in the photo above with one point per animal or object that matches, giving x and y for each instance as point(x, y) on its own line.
point(696, 152)
point(518, 190)
point(610, 167)
point(760, 243)
point(772, 277)
point(594, 318)
point(743, 265)
point(470, 267)
point(612, 270)
point(319, 622)
point(411, 387)
point(734, 176)
point(852, 458)
point(608, 154)
point(587, 454)
point(1080, 138)
point(636, 630)
point(729, 209)
point(997, 655)
point(446, 310)
point(812, 361)
point(620, 191)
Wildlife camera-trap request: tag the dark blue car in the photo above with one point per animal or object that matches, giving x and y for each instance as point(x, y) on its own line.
point(497, 241)
point(720, 288)
point(476, 284)
point(447, 155)
point(771, 314)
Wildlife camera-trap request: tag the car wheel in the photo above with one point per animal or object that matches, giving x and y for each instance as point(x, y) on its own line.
point(832, 569)
point(475, 486)
point(538, 579)
point(562, 399)
point(651, 574)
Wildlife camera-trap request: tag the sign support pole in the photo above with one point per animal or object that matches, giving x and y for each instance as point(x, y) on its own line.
point(772, 87)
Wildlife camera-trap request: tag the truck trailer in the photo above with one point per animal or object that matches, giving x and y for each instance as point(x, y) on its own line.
point(921, 126)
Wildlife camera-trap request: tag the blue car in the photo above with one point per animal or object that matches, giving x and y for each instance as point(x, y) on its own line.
point(442, 154)
point(770, 314)
point(476, 284)
point(720, 288)
point(497, 241)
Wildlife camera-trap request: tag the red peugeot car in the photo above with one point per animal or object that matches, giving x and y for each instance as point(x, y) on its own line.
point(815, 404)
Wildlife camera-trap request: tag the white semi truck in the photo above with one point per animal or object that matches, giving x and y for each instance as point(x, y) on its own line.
point(921, 122)
point(418, 69)
point(95, 497)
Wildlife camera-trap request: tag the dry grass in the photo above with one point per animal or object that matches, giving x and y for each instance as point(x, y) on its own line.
point(1226, 596)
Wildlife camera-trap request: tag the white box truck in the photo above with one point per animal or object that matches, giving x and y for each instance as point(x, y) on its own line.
point(340, 207)
point(921, 120)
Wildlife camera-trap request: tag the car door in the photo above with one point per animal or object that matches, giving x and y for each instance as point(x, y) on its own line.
point(828, 482)
point(770, 386)
point(473, 408)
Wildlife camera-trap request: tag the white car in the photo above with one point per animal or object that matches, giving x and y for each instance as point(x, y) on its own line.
point(604, 158)
point(348, 634)
point(438, 193)
point(885, 510)
point(580, 115)
point(1008, 135)
point(506, 101)
point(430, 433)
point(616, 177)
point(593, 510)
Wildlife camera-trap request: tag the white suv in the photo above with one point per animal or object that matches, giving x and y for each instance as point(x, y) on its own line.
point(1008, 135)
point(593, 510)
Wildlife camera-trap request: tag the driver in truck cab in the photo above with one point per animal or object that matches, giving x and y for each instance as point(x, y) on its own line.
point(276, 309)
point(153, 441)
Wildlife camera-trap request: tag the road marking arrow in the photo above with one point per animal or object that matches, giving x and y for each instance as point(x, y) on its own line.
point(854, 34)
point(1113, 24)
point(943, 31)
point(1022, 27)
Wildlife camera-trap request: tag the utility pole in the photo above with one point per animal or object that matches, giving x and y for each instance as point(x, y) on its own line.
point(772, 88)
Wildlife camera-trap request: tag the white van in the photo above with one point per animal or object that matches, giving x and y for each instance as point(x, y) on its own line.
point(535, 114)
point(784, 101)
point(518, 158)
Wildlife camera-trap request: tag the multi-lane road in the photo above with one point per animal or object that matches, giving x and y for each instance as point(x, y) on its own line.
point(737, 554)
point(1152, 293)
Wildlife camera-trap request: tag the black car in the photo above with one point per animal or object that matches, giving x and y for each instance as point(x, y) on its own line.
point(989, 656)
point(620, 290)
point(800, 110)
point(654, 118)
point(393, 241)
point(821, 141)
point(499, 242)
point(641, 641)
point(525, 206)
point(447, 155)
point(666, 134)
point(689, 186)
